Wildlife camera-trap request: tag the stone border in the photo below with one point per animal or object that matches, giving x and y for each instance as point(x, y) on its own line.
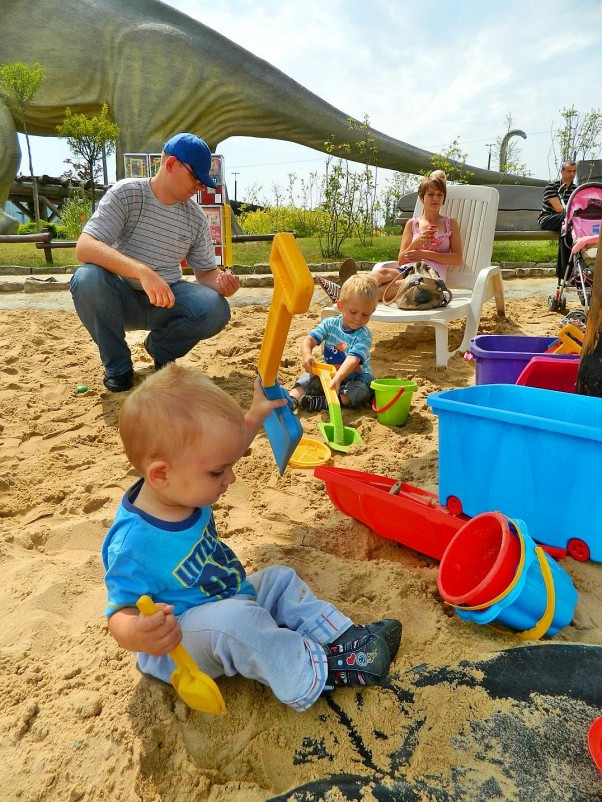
point(16, 278)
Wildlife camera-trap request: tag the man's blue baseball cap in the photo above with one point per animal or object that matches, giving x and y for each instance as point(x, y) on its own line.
point(192, 150)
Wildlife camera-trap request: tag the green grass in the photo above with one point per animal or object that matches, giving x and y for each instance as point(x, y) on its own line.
point(525, 251)
point(385, 248)
point(27, 255)
point(252, 253)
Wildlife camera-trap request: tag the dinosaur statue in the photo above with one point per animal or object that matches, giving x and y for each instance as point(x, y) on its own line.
point(160, 71)
point(505, 144)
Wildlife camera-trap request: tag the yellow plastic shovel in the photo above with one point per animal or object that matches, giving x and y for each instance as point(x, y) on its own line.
point(196, 688)
point(293, 289)
point(339, 437)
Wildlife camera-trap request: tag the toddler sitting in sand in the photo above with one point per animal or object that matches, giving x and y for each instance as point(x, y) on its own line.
point(347, 343)
point(184, 435)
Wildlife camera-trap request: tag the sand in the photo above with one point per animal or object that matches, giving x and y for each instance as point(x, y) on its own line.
point(78, 722)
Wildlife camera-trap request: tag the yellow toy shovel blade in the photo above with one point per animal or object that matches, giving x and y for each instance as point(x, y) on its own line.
point(196, 688)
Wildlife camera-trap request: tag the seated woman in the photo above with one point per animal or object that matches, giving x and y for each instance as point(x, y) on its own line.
point(431, 238)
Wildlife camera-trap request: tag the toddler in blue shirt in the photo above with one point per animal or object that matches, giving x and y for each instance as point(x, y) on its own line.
point(184, 435)
point(347, 341)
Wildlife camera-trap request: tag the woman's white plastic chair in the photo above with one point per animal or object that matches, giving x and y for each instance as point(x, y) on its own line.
point(472, 283)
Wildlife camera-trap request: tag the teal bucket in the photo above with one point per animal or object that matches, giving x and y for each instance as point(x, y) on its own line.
point(392, 399)
point(539, 600)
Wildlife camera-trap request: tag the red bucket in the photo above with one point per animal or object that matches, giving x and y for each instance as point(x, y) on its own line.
point(480, 561)
point(594, 741)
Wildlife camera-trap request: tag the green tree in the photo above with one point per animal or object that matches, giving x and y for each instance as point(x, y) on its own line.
point(452, 161)
point(304, 205)
point(369, 205)
point(348, 197)
point(76, 210)
point(269, 220)
point(578, 136)
point(253, 195)
point(339, 199)
point(88, 138)
point(19, 83)
point(400, 184)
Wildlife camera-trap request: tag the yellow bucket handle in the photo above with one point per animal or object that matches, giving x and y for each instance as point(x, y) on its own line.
point(542, 626)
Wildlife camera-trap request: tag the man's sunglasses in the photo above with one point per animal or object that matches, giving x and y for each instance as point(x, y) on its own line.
point(189, 169)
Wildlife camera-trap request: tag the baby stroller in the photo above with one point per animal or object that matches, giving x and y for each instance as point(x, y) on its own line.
point(580, 231)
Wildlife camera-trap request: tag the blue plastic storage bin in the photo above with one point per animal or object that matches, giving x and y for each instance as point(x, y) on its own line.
point(528, 452)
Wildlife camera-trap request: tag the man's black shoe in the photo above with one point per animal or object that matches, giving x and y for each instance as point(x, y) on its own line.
point(120, 383)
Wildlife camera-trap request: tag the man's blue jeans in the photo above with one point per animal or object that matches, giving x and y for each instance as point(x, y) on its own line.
point(108, 307)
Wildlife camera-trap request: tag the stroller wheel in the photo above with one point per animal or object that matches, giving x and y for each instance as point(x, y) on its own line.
point(552, 303)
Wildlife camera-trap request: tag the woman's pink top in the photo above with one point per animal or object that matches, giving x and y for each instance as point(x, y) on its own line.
point(441, 243)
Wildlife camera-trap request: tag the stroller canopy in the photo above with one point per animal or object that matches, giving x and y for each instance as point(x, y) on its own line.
point(584, 211)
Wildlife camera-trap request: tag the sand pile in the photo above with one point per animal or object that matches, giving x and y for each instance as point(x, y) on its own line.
point(78, 722)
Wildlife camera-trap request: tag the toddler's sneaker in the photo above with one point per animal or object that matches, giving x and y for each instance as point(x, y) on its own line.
point(313, 403)
point(388, 628)
point(354, 660)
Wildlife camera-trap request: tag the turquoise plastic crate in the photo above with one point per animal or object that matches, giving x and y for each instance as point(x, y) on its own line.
point(530, 453)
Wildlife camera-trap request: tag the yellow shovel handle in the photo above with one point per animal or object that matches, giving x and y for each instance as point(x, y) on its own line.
point(204, 696)
point(326, 372)
point(146, 605)
point(293, 289)
point(179, 655)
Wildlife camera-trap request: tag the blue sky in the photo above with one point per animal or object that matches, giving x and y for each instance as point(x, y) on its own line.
point(424, 71)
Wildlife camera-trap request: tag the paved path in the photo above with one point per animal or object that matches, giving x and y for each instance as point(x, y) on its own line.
point(55, 295)
point(62, 300)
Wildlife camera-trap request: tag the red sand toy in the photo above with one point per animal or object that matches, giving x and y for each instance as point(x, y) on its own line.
point(398, 510)
point(594, 741)
point(393, 509)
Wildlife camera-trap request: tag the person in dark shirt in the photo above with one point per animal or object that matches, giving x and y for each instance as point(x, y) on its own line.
point(555, 197)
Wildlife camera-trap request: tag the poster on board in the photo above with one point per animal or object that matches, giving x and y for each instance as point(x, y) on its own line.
point(154, 163)
point(207, 195)
point(136, 165)
point(216, 223)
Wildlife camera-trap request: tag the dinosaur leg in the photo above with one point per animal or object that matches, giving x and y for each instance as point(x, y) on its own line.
point(9, 164)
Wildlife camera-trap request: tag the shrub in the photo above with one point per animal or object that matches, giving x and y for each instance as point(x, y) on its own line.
point(75, 213)
point(57, 231)
point(271, 220)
